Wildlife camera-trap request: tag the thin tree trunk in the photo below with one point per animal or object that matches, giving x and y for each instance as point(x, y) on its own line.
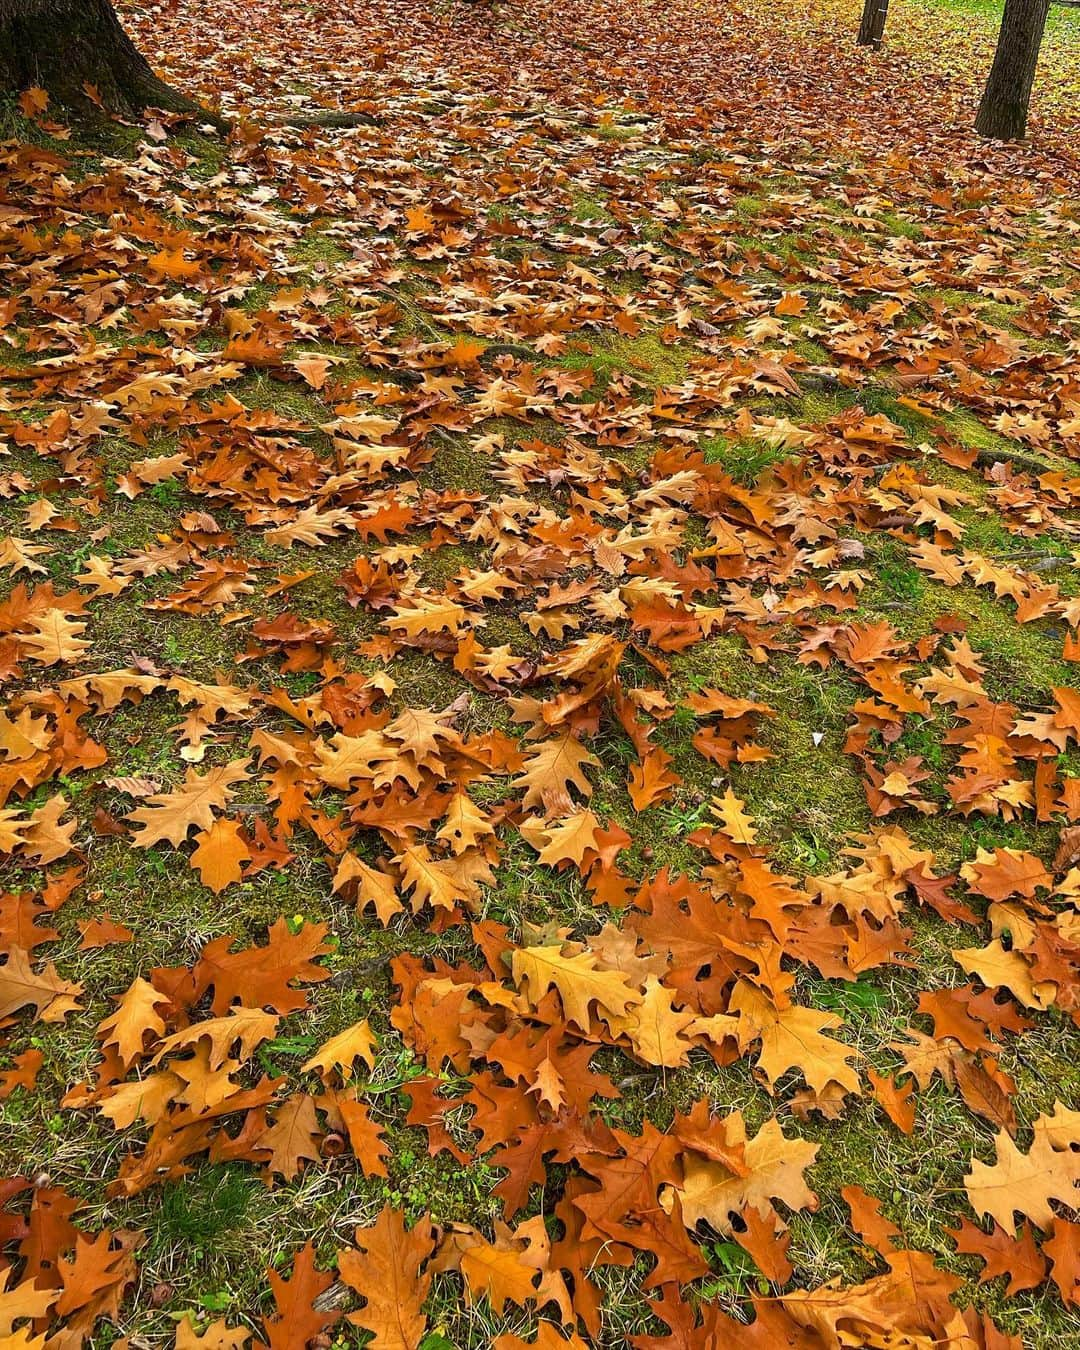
point(872, 27)
point(1003, 111)
point(77, 51)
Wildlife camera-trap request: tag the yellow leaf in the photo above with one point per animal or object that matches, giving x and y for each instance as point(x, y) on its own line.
point(775, 1167)
point(791, 1038)
point(579, 983)
point(1027, 1182)
point(341, 1051)
point(170, 815)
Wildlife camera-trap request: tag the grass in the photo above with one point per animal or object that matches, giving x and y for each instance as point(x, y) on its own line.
point(746, 461)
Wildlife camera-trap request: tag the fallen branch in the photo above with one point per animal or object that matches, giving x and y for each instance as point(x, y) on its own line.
point(1020, 458)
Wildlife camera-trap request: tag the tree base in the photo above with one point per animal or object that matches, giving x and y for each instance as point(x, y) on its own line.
point(78, 53)
point(1003, 121)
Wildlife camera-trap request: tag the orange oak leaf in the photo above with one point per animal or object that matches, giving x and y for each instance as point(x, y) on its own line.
point(293, 1138)
point(263, 976)
point(220, 854)
point(1003, 1254)
point(297, 1320)
point(388, 1269)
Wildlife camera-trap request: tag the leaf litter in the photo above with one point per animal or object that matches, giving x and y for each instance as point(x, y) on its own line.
point(401, 525)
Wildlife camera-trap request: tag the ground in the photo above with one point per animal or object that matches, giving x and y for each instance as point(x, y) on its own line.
point(676, 388)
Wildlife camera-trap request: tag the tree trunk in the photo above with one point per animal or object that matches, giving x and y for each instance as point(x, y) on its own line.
point(62, 46)
point(872, 27)
point(1004, 108)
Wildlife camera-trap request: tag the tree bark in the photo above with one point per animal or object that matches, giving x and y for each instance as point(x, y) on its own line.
point(1003, 111)
point(872, 27)
point(62, 46)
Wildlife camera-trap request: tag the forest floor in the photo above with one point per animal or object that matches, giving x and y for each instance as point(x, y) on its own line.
point(541, 638)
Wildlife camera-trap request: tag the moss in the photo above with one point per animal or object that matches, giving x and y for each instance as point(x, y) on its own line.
point(16, 126)
point(257, 297)
point(748, 206)
point(430, 683)
point(924, 738)
point(900, 226)
point(457, 465)
point(209, 154)
point(315, 246)
point(1024, 661)
point(589, 207)
point(957, 841)
point(813, 352)
point(262, 389)
point(198, 645)
point(808, 799)
point(986, 532)
point(897, 589)
point(644, 358)
point(616, 131)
